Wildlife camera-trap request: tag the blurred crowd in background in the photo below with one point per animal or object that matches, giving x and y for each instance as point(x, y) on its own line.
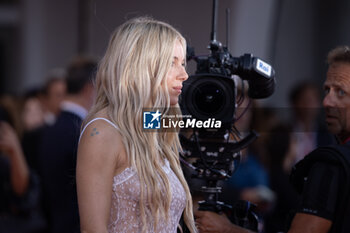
point(37, 185)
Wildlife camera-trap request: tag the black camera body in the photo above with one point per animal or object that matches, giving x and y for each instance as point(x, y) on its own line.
point(211, 92)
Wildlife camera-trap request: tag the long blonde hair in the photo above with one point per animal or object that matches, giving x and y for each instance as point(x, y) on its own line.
point(131, 77)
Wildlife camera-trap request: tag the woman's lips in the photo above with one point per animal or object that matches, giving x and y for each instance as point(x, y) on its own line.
point(178, 89)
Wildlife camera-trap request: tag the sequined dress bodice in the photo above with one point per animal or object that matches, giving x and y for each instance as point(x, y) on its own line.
point(125, 211)
point(125, 214)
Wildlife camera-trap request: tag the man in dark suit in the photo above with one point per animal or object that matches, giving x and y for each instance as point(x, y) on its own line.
point(57, 153)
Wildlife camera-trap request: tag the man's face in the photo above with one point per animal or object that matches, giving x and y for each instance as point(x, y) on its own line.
point(337, 98)
point(308, 104)
point(55, 96)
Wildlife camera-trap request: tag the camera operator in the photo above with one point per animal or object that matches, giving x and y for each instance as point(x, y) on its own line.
point(323, 175)
point(209, 221)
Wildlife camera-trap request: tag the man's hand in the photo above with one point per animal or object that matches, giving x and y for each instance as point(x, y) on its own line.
point(207, 221)
point(308, 223)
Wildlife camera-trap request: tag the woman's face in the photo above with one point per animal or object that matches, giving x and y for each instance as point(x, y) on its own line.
point(177, 73)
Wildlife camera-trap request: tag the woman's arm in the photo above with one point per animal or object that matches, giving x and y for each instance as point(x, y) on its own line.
point(98, 156)
point(11, 147)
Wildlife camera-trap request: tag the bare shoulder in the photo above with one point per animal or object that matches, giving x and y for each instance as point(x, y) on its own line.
point(101, 140)
point(101, 130)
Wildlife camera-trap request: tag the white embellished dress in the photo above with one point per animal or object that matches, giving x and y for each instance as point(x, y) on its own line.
point(125, 210)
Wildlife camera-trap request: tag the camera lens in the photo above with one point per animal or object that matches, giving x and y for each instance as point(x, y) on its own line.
point(209, 98)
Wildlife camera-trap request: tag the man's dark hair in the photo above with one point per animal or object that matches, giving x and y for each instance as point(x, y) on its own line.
point(57, 75)
point(299, 89)
point(81, 71)
point(339, 54)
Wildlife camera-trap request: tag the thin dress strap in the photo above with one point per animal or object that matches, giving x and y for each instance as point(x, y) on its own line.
point(95, 119)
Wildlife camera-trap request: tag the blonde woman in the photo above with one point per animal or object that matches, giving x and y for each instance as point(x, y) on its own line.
point(129, 180)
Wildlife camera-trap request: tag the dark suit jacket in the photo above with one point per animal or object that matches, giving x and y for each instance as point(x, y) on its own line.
point(57, 170)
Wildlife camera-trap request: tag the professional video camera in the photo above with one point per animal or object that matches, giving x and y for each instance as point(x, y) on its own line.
point(211, 93)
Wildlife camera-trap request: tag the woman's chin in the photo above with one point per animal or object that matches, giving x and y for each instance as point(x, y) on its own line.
point(174, 102)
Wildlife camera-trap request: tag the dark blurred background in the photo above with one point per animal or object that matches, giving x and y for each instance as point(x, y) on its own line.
point(40, 38)
point(293, 35)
